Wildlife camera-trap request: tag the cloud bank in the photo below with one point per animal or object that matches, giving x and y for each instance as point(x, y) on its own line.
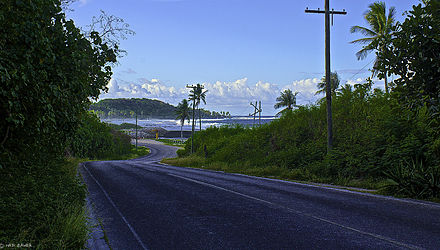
point(234, 96)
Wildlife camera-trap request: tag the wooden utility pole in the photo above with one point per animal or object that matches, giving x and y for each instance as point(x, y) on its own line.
point(256, 110)
point(136, 130)
point(328, 94)
point(259, 113)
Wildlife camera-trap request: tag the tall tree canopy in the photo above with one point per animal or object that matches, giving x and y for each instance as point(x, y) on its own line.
point(49, 71)
point(378, 34)
point(414, 57)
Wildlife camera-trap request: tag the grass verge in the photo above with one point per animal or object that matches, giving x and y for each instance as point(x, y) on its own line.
point(297, 175)
point(43, 207)
point(172, 142)
point(134, 153)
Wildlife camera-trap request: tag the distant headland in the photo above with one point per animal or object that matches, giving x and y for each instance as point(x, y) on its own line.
point(144, 107)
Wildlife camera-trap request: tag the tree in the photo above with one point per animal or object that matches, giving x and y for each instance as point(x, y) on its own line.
point(414, 57)
point(49, 72)
point(182, 112)
point(197, 95)
point(201, 96)
point(378, 34)
point(286, 99)
point(334, 81)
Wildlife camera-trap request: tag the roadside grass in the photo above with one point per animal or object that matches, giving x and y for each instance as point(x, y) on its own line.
point(172, 142)
point(134, 153)
point(46, 212)
point(62, 222)
point(274, 172)
point(68, 227)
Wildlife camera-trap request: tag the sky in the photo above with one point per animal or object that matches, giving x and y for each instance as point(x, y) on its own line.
point(242, 51)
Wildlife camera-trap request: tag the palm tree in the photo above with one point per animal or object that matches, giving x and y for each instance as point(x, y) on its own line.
point(378, 34)
point(196, 95)
point(334, 83)
point(182, 112)
point(286, 99)
point(201, 96)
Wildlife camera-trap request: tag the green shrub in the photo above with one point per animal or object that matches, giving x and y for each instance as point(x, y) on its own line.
point(414, 179)
point(373, 134)
point(96, 140)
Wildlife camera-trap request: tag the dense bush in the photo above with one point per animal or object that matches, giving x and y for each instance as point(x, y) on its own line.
point(95, 139)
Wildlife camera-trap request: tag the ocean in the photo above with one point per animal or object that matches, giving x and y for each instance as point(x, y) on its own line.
point(174, 125)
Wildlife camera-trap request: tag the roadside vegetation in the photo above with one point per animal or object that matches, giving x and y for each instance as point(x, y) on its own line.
point(387, 141)
point(173, 142)
point(96, 140)
point(50, 71)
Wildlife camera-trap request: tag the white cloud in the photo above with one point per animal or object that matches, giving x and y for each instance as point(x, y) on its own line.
point(240, 91)
point(354, 82)
point(233, 96)
point(306, 88)
point(378, 84)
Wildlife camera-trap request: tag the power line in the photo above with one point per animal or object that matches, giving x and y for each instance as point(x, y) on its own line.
point(362, 69)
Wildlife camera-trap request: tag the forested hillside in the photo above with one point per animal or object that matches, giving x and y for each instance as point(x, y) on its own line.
point(145, 108)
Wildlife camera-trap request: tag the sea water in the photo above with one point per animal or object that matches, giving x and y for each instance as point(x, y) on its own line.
point(173, 125)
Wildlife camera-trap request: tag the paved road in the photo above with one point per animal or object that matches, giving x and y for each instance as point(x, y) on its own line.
point(146, 205)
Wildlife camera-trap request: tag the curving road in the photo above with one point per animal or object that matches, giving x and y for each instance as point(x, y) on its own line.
point(147, 205)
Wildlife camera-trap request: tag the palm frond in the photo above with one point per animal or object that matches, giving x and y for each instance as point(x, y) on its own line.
point(363, 40)
point(362, 54)
point(278, 105)
point(391, 18)
point(364, 31)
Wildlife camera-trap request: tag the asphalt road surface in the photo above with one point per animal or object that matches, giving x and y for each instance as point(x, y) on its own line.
point(147, 205)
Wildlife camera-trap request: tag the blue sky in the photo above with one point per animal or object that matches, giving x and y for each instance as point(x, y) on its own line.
point(241, 50)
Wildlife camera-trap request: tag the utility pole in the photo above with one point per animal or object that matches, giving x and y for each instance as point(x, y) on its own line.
point(136, 130)
point(328, 95)
point(256, 110)
point(259, 113)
